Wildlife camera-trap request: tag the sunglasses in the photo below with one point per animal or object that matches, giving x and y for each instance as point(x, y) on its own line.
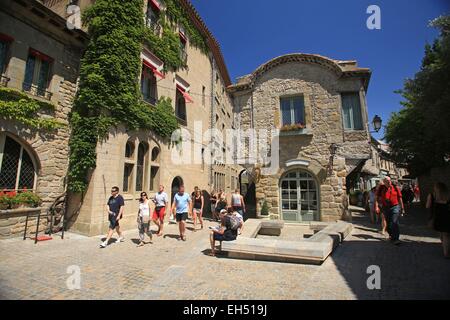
point(113, 191)
point(143, 195)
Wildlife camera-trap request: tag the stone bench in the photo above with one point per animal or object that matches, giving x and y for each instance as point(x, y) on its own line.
point(312, 250)
point(278, 250)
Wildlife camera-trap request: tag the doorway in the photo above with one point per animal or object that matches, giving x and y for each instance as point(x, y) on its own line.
point(299, 197)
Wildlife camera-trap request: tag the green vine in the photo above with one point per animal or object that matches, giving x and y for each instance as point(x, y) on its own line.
point(176, 13)
point(167, 46)
point(16, 105)
point(109, 93)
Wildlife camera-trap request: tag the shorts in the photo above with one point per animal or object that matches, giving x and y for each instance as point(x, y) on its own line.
point(113, 223)
point(196, 210)
point(159, 213)
point(181, 216)
point(219, 237)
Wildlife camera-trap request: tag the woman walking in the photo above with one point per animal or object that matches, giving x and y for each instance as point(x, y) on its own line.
point(198, 208)
point(143, 219)
point(213, 200)
point(439, 204)
point(237, 201)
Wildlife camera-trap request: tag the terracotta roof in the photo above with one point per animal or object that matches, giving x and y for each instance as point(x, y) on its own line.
point(340, 68)
point(211, 41)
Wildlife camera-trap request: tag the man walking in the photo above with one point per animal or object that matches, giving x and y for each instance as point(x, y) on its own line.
point(161, 201)
point(391, 199)
point(182, 205)
point(115, 207)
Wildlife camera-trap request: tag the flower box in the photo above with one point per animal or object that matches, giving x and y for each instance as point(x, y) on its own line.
point(21, 199)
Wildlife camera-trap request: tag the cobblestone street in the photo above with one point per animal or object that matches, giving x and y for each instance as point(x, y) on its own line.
point(172, 269)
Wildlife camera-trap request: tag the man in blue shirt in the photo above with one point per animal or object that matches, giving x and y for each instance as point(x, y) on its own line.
point(182, 204)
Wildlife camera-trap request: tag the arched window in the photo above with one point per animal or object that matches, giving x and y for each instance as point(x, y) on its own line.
point(17, 169)
point(142, 151)
point(128, 166)
point(154, 170)
point(299, 196)
point(155, 154)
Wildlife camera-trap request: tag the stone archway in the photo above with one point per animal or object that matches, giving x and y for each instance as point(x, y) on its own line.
point(176, 183)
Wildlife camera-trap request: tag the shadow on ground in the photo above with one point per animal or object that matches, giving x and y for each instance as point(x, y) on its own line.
point(416, 269)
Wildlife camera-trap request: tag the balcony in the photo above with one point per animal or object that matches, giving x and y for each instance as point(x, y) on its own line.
point(4, 81)
point(36, 91)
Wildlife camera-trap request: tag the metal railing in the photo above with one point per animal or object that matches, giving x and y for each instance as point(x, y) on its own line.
point(150, 100)
point(36, 91)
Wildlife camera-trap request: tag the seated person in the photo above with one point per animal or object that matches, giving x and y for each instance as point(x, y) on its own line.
point(241, 221)
point(222, 233)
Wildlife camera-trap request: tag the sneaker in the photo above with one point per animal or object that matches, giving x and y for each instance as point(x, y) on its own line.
point(396, 242)
point(103, 244)
point(120, 239)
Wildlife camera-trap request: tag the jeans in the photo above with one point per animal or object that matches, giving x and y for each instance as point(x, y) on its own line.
point(392, 216)
point(144, 228)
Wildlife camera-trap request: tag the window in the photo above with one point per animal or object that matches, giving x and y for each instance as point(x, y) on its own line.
point(37, 73)
point(17, 169)
point(154, 170)
point(351, 111)
point(180, 107)
point(3, 56)
point(152, 16)
point(140, 166)
point(127, 175)
point(148, 85)
point(292, 110)
point(203, 95)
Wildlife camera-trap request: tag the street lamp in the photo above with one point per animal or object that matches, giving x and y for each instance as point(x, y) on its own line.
point(376, 122)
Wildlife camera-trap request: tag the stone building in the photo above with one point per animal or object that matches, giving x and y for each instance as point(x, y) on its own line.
point(380, 165)
point(39, 58)
point(320, 106)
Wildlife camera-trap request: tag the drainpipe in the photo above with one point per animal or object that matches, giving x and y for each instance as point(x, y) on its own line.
point(213, 109)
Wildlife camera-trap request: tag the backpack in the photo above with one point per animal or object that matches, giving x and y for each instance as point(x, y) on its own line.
point(234, 222)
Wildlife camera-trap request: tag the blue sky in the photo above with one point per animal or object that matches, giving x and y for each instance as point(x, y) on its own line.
point(252, 32)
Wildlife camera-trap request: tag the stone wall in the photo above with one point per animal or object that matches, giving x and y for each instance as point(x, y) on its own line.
point(13, 224)
point(50, 150)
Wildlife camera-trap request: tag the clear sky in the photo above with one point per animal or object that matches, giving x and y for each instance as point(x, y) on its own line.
point(251, 32)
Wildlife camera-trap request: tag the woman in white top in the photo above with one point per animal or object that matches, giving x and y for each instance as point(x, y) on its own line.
point(143, 218)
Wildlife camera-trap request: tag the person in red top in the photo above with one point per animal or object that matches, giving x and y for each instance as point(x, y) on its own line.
point(417, 193)
point(390, 197)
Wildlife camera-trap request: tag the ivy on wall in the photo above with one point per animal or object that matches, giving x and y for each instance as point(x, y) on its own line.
point(18, 106)
point(109, 94)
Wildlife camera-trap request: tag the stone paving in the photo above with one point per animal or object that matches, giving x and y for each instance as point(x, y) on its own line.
point(172, 269)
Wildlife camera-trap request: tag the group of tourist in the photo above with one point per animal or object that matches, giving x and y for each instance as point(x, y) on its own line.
point(184, 206)
point(387, 202)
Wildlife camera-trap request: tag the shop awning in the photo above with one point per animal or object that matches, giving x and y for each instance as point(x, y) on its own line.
point(186, 96)
point(148, 64)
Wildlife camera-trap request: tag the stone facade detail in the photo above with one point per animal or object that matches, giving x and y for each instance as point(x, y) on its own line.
point(320, 82)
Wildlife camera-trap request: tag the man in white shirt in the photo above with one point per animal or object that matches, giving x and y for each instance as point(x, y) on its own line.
point(161, 201)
